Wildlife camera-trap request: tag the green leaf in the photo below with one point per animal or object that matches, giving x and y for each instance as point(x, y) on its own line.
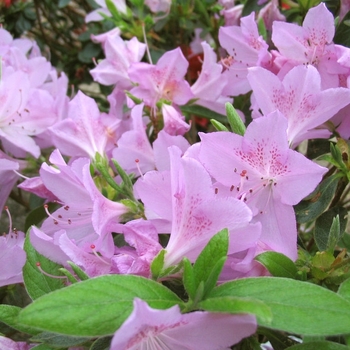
point(189, 279)
point(218, 126)
point(319, 345)
point(58, 340)
point(158, 264)
point(9, 315)
point(43, 347)
point(326, 234)
point(78, 271)
point(234, 120)
point(95, 307)
point(297, 307)
point(342, 33)
point(36, 283)
point(203, 112)
point(317, 202)
point(277, 264)
point(210, 261)
point(101, 344)
point(63, 3)
point(344, 290)
point(235, 305)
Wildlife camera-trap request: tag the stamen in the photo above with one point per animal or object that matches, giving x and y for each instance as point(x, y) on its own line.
point(20, 175)
point(94, 61)
point(57, 220)
point(6, 208)
point(147, 48)
point(38, 265)
point(92, 246)
point(137, 161)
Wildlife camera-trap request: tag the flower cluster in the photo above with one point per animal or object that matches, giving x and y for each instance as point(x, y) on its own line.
point(128, 190)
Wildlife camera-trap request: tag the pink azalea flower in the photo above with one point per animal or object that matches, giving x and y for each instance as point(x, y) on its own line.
point(9, 344)
point(210, 83)
point(120, 55)
point(152, 329)
point(142, 238)
point(197, 213)
point(12, 258)
point(262, 171)
point(174, 121)
point(16, 124)
point(246, 49)
point(134, 151)
point(270, 13)
point(165, 80)
point(310, 44)
point(8, 177)
point(83, 132)
point(299, 98)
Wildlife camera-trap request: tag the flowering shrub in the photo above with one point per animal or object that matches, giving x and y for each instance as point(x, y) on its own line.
point(192, 193)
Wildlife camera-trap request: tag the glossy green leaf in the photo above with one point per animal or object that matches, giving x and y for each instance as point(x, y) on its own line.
point(319, 345)
point(58, 340)
point(342, 33)
point(210, 261)
point(37, 283)
point(297, 307)
point(234, 120)
point(277, 264)
point(235, 305)
point(218, 126)
point(95, 307)
point(325, 237)
point(344, 290)
point(203, 112)
point(189, 279)
point(317, 202)
point(9, 315)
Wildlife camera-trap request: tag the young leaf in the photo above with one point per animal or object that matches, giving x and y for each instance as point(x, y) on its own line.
point(189, 279)
point(234, 120)
point(78, 271)
point(158, 264)
point(218, 126)
point(95, 307)
point(210, 261)
point(236, 305)
point(36, 283)
point(297, 307)
point(327, 235)
point(278, 264)
point(317, 202)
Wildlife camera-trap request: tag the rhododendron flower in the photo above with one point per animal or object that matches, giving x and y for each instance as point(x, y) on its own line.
point(299, 98)
point(210, 83)
point(310, 43)
point(83, 133)
point(246, 49)
point(197, 214)
point(120, 54)
point(12, 258)
point(165, 80)
point(153, 329)
point(262, 171)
